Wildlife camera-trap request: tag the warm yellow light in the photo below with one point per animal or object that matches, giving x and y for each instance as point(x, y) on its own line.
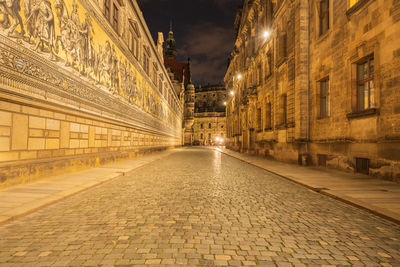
point(224, 103)
point(239, 76)
point(353, 2)
point(266, 34)
point(232, 92)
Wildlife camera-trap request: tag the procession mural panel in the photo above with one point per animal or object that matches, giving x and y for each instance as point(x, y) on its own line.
point(63, 32)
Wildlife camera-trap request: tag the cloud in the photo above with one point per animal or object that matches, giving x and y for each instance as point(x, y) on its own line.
point(209, 46)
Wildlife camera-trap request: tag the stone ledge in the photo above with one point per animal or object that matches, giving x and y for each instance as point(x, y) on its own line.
point(19, 172)
point(363, 113)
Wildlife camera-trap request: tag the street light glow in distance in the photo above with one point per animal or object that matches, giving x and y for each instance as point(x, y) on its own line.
point(267, 34)
point(239, 76)
point(232, 93)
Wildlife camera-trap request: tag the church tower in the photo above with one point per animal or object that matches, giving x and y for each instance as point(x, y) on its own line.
point(189, 110)
point(170, 50)
point(181, 75)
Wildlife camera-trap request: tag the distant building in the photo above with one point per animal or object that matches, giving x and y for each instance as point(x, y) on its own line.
point(209, 126)
point(317, 82)
point(180, 75)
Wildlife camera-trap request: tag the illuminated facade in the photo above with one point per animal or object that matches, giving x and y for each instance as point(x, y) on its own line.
point(209, 127)
point(316, 82)
point(81, 83)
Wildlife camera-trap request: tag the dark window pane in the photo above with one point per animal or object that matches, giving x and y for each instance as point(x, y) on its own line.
point(361, 71)
point(323, 107)
point(371, 68)
point(360, 97)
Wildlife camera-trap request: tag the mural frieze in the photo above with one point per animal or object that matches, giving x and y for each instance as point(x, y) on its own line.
point(47, 39)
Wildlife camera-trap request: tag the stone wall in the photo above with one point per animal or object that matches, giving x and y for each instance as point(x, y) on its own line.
point(367, 29)
point(68, 104)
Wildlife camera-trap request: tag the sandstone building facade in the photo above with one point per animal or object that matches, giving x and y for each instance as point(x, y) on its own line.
point(81, 83)
point(209, 127)
point(318, 82)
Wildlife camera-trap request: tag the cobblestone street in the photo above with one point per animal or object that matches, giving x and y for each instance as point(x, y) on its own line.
point(199, 207)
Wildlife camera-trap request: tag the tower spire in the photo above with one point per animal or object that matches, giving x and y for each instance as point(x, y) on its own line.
point(170, 50)
point(190, 73)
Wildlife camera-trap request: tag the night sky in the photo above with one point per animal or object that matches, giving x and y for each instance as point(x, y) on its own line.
point(203, 30)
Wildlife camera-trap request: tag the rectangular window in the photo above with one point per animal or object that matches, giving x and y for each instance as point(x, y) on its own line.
point(155, 74)
point(323, 17)
point(115, 17)
point(259, 119)
point(209, 136)
point(131, 45)
point(270, 12)
point(268, 65)
point(107, 9)
point(365, 84)
point(282, 46)
point(283, 109)
point(201, 136)
point(268, 117)
point(146, 62)
point(324, 105)
point(160, 83)
point(133, 41)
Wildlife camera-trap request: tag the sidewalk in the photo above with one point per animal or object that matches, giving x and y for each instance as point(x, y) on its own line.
point(375, 195)
point(22, 199)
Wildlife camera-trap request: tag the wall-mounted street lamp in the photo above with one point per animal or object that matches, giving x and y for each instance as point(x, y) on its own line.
point(232, 93)
point(267, 34)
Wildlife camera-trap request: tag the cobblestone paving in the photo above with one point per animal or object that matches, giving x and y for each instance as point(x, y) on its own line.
point(199, 208)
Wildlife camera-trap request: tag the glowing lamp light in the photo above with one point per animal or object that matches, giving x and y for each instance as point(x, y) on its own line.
point(225, 103)
point(266, 34)
point(239, 76)
point(232, 92)
point(217, 139)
